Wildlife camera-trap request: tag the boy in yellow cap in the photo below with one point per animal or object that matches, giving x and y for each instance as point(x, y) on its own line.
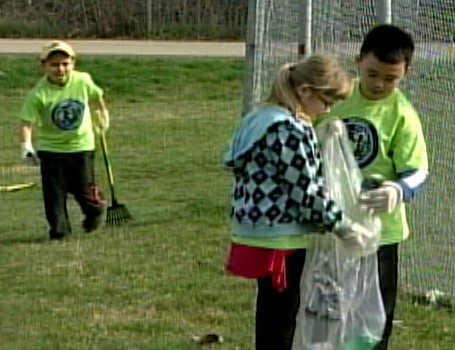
point(57, 111)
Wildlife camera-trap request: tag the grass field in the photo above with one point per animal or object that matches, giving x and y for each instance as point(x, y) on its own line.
point(158, 281)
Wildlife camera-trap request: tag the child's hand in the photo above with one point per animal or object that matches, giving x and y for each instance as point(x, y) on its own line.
point(386, 198)
point(101, 121)
point(27, 150)
point(358, 240)
point(28, 153)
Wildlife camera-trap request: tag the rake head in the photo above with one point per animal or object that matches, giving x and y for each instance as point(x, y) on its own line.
point(117, 214)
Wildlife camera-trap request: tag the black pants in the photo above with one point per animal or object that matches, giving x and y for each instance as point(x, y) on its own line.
point(63, 173)
point(276, 311)
point(388, 282)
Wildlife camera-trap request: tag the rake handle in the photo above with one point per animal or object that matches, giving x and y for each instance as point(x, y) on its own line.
point(17, 187)
point(107, 163)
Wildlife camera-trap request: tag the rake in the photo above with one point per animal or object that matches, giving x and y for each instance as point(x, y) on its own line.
point(17, 187)
point(117, 213)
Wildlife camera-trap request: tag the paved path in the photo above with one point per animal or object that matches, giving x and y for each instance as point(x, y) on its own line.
point(133, 47)
point(192, 48)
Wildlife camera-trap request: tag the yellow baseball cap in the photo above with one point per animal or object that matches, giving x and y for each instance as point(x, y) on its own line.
point(54, 46)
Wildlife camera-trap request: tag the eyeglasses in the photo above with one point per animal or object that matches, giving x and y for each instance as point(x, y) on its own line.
point(326, 101)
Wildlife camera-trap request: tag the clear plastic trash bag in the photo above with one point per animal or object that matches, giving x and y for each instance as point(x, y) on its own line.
point(341, 306)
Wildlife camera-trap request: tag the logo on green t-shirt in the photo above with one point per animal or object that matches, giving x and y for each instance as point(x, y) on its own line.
point(68, 114)
point(364, 138)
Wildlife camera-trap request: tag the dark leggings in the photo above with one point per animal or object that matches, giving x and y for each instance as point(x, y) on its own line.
point(63, 173)
point(388, 281)
point(276, 311)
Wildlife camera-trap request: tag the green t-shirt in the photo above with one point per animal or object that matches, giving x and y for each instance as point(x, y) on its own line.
point(61, 114)
point(387, 139)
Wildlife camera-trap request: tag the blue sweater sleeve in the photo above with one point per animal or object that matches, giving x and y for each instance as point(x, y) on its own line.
point(411, 182)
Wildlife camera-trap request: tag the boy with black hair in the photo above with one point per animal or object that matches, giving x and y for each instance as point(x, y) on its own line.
point(388, 144)
point(58, 110)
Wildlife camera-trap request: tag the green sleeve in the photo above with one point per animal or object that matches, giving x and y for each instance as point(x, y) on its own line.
point(94, 91)
point(408, 145)
point(31, 109)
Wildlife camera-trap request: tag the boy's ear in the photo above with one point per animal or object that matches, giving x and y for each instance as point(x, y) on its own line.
point(357, 59)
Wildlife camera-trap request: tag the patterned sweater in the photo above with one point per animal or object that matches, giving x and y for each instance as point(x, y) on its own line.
point(278, 183)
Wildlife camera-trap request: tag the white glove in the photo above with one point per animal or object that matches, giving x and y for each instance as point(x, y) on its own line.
point(385, 198)
point(27, 150)
point(358, 240)
point(28, 153)
point(101, 121)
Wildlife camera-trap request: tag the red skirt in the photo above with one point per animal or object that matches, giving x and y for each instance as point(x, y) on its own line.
point(255, 262)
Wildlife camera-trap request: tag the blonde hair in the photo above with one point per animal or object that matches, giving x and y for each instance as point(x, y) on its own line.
point(320, 73)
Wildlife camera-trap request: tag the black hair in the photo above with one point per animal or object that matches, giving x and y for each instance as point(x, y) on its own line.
point(389, 44)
